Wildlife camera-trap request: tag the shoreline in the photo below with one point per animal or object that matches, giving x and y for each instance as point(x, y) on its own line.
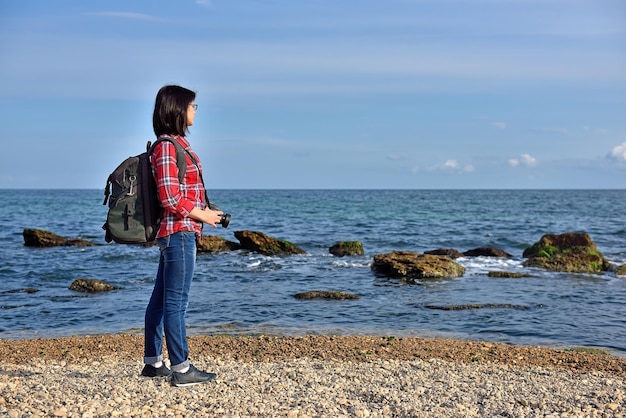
point(316, 347)
point(310, 376)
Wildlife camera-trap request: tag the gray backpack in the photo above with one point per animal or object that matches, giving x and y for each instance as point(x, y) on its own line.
point(134, 209)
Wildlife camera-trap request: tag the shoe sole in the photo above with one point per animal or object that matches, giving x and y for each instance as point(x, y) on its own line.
point(182, 385)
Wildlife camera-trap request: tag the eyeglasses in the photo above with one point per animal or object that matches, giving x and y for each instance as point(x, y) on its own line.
point(195, 106)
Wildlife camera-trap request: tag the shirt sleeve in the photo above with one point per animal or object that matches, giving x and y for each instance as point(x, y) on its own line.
point(165, 172)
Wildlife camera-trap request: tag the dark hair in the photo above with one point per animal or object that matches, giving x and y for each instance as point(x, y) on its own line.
point(170, 110)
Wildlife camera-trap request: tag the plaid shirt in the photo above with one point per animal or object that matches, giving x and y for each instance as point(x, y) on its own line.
point(177, 199)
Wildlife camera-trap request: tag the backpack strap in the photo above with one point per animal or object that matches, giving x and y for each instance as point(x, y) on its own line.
point(181, 161)
point(107, 190)
point(206, 194)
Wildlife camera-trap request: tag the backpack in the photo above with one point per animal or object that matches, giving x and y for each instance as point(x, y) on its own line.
point(134, 210)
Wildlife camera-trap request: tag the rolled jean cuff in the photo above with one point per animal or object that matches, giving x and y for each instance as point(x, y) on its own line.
point(152, 360)
point(181, 366)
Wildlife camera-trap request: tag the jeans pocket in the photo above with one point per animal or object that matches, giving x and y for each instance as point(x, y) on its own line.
point(163, 243)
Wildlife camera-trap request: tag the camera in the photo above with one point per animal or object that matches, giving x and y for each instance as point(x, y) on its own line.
point(225, 219)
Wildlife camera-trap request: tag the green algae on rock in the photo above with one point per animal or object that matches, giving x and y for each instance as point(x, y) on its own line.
point(569, 252)
point(411, 266)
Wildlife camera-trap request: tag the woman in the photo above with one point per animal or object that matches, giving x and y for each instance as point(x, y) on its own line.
point(184, 213)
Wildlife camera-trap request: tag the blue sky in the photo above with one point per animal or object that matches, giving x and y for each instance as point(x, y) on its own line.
point(415, 94)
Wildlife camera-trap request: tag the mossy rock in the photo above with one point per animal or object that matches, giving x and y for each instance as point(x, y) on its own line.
point(569, 252)
point(346, 248)
point(22, 290)
point(41, 238)
point(264, 244)
point(411, 266)
point(91, 285)
point(215, 244)
point(325, 294)
point(475, 306)
point(508, 274)
point(621, 270)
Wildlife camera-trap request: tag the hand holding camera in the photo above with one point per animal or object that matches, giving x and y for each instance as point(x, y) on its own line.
point(225, 219)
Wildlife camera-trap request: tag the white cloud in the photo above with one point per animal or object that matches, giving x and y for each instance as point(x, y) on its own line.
point(526, 160)
point(529, 160)
point(450, 164)
point(595, 130)
point(499, 125)
point(128, 15)
point(455, 166)
point(469, 168)
point(618, 153)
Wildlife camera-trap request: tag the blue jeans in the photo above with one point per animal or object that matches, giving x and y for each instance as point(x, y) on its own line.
point(169, 300)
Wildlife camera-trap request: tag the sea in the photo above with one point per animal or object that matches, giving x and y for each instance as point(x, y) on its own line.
point(246, 293)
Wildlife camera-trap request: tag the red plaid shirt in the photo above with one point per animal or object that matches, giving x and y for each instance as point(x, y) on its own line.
point(177, 199)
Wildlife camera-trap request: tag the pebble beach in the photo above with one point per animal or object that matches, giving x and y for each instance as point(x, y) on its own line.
point(311, 376)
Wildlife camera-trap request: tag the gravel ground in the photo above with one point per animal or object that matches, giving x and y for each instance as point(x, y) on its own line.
point(313, 376)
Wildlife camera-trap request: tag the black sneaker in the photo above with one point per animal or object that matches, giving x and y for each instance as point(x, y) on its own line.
point(151, 371)
point(193, 376)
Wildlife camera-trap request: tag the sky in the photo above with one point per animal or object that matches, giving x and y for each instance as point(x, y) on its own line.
point(342, 94)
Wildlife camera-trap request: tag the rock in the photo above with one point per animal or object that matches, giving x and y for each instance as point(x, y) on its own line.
point(60, 412)
point(41, 238)
point(476, 306)
point(264, 244)
point(23, 290)
point(410, 266)
point(91, 285)
point(215, 244)
point(448, 252)
point(621, 270)
point(345, 248)
point(325, 294)
point(507, 274)
point(486, 252)
point(568, 252)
